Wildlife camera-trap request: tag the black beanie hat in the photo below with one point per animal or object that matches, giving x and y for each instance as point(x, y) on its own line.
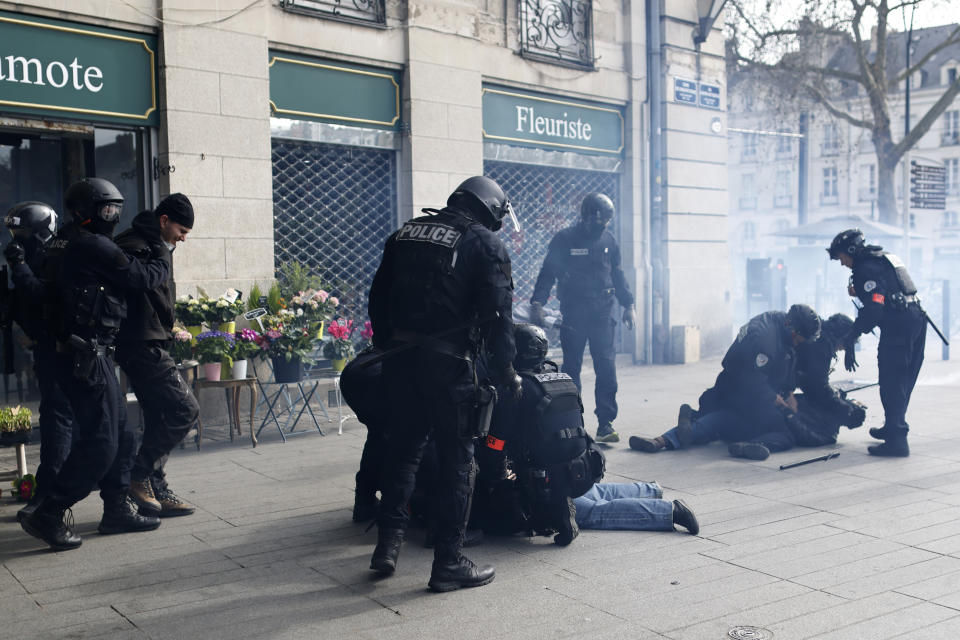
point(177, 207)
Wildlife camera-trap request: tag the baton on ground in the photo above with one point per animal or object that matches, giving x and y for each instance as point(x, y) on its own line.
point(829, 456)
point(389, 353)
point(863, 386)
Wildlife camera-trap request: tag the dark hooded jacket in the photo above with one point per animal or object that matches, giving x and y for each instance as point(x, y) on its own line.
point(150, 314)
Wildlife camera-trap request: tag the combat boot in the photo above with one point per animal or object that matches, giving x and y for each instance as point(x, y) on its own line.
point(121, 516)
point(387, 551)
point(171, 505)
point(29, 508)
point(458, 572)
point(606, 433)
point(52, 523)
point(683, 516)
point(748, 450)
point(891, 449)
point(647, 445)
point(567, 528)
point(141, 491)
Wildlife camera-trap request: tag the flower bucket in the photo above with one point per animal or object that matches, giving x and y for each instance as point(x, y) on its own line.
point(228, 327)
point(284, 371)
point(194, 330)
point(211, 370)
point(339, 364)
point(320, 330)
point(239, 369)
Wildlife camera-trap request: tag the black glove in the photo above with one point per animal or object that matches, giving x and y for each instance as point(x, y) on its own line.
point(512, 383)
point(850, 358)
point(15, 254)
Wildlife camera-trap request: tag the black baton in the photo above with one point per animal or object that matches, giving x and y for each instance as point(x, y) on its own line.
point(803, 462)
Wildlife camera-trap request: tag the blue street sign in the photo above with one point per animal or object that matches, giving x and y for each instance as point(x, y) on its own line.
point(685, 91)
point(709, 96)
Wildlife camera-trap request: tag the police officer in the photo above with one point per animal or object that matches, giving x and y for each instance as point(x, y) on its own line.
point(554, 458)
point(443, 288)
point(93, 276)
point(584, 261)
point(33, 226)
point(169, 408)
point(752, 394)
point(821, 408)
point(889, 297)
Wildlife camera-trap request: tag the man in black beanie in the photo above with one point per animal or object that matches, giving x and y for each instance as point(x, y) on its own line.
point(169, 407)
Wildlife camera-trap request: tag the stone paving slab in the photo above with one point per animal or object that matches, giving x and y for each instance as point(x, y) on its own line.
point(852, 548)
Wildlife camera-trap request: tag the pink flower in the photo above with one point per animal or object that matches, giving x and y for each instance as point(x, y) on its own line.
point(367, 332)
point(322, 295)
point(182, 336)
point(273, 334)
point(334, 301)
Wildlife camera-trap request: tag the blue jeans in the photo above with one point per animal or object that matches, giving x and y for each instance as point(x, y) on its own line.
point(633, 506)
point(727, 425)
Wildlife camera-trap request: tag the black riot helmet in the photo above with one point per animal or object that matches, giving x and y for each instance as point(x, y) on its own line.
point(36, 220)
point(596, 211)
point(483, 198)
point(804, 321)
point(531, 346)
point(849, 242)
point(836, 328)
point(95, 203)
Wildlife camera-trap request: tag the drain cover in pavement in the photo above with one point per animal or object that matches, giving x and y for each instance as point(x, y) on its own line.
point(743, 632)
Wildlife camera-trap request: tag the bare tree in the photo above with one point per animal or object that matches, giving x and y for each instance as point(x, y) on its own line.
point(828, 51)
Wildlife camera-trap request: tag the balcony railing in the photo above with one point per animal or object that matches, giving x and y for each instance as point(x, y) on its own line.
point(748, 202)
point(783, 201)
point(950, 138)
point(371, 12)
point(557, 31)
point(866, 194)
point(829, 198)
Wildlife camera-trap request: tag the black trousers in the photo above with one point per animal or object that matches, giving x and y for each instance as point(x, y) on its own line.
point(56, 419)
point(169, 407)
point(103, 445)
point(594, 325)
point(375, 455)
point(899, 358)
point(424, 391)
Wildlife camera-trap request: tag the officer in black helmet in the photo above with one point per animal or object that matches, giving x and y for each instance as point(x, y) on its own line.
point(584, 261)
point(33, 226)
point(444, 288)
point(554, 458)
point(92, 277)
point(748, 404)
point(881, 282)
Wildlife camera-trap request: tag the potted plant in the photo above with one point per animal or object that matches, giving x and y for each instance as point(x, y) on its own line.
point(366, 336)
point(214, 348)
point(15, 425)
point(246, 346)
point(190, 311)
point(181, 348)
point(340, 348)
point(224, 312)
point(288, 346)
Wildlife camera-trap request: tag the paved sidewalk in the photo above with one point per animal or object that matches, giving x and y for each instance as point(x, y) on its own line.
point(856, 547)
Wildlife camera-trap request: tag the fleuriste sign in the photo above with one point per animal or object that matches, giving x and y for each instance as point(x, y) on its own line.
point(551, 122)
point(336, 92)
point(64, 69)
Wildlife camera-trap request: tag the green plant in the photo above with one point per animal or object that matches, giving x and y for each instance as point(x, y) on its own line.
point(190, 311)
point(181, 348)
point(253, 300)
point(247, 345)
point(295, 276)
point(15, 419)
point(274, 299)
point(340, 346)
point(222, 310)
point(215, 346)
point(287, 341)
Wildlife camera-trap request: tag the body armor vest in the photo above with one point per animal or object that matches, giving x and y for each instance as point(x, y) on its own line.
point(907, 287)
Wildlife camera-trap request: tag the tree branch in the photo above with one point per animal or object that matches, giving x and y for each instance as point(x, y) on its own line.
point(836, 111)
point(926, 121)
point(954, 38)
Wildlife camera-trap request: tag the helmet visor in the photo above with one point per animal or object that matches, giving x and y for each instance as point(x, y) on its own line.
point(110, 211)
point(513, 216)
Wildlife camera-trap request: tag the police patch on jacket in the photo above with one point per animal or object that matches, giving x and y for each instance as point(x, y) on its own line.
point(550, 377)
point(432, 232)
point(579, 252)
point(869, 285)
point(762, 359)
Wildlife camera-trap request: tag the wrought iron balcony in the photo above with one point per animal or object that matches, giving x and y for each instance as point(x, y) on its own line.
point(370, 12)
point(557, 31)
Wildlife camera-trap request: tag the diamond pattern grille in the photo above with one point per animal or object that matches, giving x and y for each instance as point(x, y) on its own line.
point(546, 200)
point(333, 208)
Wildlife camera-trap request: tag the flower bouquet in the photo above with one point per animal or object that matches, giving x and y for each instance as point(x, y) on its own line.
point(340, 348)
point(181, 349)
point(213, 349)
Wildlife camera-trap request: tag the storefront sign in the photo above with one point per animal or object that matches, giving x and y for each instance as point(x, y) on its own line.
point(540, 121)
point(306, 88)
point(64, 69)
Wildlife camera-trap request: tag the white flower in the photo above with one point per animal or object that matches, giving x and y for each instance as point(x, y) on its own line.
point(334, 301)
point(193, 301)
point(299, 312)
point(222, 303)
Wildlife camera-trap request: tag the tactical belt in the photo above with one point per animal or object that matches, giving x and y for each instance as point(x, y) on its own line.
point(432, 344)
point(105, 351)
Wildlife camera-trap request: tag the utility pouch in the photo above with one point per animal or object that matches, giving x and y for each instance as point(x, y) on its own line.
point(475, 413)
point(898, 302)
point(84, 357)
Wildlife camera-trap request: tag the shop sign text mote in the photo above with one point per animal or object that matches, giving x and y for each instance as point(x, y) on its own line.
point(56, 68)
point(558, 123)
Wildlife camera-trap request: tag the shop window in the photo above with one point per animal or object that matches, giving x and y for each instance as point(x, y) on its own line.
point(557, 31)
point(372, 12)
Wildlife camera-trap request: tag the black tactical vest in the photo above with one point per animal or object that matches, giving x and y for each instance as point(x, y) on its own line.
point(904, 280)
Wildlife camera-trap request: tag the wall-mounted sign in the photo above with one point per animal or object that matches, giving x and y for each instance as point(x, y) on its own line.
point(336, 92)
point(552, 122)
point(65, 69)
point(684, 91)
point(696, 94)
point(709, 95)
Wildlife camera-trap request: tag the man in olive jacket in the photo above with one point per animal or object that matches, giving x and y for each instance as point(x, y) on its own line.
point(169, 407)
